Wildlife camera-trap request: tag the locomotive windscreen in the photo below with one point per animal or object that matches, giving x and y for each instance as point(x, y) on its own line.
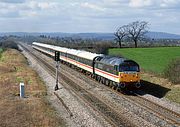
point(129, 68)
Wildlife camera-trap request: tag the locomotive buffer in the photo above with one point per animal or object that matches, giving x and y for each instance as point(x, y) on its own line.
point(57, 59)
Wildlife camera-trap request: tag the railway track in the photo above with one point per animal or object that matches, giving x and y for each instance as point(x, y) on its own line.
point(111, 115)
point(158, 110)
point(161, 111)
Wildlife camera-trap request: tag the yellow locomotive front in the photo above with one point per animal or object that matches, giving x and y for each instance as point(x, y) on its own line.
point(129, 74)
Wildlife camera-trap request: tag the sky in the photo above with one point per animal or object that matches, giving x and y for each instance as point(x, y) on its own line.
point(76, 16)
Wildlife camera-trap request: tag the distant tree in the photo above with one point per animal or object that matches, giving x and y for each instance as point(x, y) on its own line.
point(120, 34)
point(102, 48)
point(137, 30)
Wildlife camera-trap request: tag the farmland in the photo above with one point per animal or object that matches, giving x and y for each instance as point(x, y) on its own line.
point(150, 59)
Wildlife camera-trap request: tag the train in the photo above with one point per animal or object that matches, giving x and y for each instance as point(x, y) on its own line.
point(117, 72)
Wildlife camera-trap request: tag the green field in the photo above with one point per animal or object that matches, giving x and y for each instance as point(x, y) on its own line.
point(150, 59)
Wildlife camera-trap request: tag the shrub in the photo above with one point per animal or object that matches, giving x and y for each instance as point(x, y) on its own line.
point(173, 71)
point(8, 44)
point(102, 48)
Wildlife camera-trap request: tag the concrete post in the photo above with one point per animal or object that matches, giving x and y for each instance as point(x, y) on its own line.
point(22, 91)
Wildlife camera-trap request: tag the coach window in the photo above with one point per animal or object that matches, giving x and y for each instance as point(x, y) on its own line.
point(100, 66)
point(80, 60)
point(107, 69)
point(77, 59)
point(84, 61)
point(96, 65)
point(89, 62)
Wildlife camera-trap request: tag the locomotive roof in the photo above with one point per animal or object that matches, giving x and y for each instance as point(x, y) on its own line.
point(112, 60)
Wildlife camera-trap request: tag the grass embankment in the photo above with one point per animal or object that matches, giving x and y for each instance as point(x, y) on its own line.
point(155, 61)
point(32, 111)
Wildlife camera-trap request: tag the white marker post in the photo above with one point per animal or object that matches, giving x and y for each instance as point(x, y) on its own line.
point(22, 91)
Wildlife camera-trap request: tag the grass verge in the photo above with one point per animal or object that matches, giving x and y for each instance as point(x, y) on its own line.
point(160, 87)
point(174, 94)
point(32, 111)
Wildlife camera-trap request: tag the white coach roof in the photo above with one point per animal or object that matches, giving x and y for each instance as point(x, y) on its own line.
point(43, 45)
point(79, 53)
point(88, 55)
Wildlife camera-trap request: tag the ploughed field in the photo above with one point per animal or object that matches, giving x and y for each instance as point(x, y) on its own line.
point(150, 59)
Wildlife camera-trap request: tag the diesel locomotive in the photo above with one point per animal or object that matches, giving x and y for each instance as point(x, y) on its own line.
point(116, 72)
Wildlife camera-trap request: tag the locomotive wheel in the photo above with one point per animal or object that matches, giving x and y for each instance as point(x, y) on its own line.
point(110, 84)
point(114, 87)
point(107, 82)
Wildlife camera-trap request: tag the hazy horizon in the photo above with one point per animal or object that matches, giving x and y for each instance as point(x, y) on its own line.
point(83, 16)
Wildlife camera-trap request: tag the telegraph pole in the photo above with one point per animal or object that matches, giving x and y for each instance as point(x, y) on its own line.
point(57, 59)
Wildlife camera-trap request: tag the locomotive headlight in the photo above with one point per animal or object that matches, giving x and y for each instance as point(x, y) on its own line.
point(137, 75)
point(121, 75)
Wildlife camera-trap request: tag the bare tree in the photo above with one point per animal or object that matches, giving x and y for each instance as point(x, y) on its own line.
point(121, 33)
point(137, 30)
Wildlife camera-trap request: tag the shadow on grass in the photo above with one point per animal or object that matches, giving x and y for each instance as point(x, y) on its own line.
point(153, 89)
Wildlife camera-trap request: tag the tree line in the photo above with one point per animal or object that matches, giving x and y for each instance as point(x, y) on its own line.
point(8, 42)
point(134, 31)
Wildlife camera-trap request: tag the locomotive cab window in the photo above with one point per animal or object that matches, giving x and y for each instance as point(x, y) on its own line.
point(129, 68)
